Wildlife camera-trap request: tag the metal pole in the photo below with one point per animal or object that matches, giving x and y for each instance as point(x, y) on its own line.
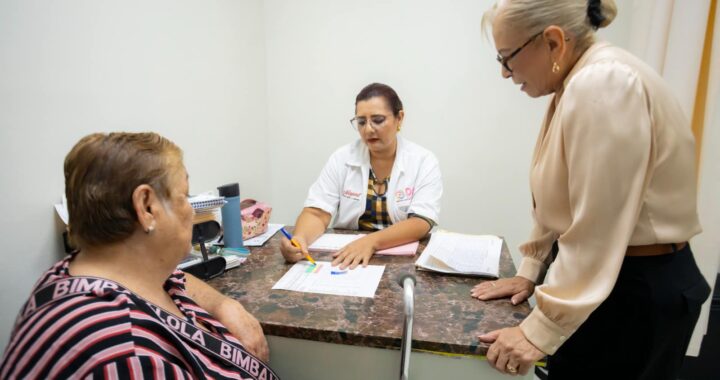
point(408, 284)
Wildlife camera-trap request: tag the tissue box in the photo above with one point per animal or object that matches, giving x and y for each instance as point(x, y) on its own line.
point(255, 217)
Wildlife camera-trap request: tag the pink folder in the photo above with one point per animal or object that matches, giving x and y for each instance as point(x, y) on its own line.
point(408, 249)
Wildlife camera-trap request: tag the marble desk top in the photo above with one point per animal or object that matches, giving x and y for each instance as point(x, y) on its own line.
point(446, 318)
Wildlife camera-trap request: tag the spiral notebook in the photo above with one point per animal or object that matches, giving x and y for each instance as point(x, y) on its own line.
point(206, 201)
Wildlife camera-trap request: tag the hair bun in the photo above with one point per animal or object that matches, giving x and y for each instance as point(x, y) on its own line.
point(594, 13)
point(601, 13)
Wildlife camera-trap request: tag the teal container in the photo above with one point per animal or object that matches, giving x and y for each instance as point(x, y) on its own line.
point(231, 220)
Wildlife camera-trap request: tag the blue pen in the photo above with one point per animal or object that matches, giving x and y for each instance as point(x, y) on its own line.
point(296, 244)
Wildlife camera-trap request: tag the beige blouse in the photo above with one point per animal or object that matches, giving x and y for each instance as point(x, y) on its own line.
point(614, 166)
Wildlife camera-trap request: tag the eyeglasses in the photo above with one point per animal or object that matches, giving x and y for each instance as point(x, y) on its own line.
point(376, 121)
point(504, 60)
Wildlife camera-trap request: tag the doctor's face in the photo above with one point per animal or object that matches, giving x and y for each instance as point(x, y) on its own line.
point(377, 125)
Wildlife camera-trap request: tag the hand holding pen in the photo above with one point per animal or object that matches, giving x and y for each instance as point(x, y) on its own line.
point(292, 256)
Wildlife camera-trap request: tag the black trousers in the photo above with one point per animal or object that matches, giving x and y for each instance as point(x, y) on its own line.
point(643, 328)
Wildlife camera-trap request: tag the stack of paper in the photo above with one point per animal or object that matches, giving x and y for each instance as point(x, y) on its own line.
point(477, 255)
point(335, 242)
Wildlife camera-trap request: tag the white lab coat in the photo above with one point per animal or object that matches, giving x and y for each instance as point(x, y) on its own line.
point(415, 185)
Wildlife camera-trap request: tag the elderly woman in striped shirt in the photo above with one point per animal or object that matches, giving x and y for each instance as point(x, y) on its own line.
point(117, 307)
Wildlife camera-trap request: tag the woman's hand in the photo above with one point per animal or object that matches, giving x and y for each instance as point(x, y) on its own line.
point(358, 252)
point(519, 288)
point(243, 326)
point(511, 353)
point(291, 253)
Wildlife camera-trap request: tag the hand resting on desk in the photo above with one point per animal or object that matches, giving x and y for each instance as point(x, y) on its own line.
point(358, 252)
point(511, 353)
point(519, 288)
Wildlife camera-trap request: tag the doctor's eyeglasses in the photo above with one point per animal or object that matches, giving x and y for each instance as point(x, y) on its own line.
point(375, 121)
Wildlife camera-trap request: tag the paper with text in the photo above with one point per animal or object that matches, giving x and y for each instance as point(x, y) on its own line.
point(262, 238)
point(465, 254)
point(334, 242)
point(326, 279)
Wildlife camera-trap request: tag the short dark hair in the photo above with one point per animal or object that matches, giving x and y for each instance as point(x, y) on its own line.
point(378, 89)
point(101, 173)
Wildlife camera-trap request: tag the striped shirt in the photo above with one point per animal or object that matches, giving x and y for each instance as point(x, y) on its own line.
point(109, 333)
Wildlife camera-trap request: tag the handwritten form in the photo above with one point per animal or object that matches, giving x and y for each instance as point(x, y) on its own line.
point(326, 279)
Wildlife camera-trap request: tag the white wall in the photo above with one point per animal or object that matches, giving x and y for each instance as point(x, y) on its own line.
point(192, 71)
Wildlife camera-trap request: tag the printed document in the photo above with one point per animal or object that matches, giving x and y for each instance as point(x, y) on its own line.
point(463, 254)
point(326, 279)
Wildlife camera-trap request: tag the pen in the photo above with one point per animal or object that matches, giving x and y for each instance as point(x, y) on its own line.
point(296, 244)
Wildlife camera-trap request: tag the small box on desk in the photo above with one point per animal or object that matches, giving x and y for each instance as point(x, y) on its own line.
point(255, 217)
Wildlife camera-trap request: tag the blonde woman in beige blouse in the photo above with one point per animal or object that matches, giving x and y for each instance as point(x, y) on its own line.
point(613, 186)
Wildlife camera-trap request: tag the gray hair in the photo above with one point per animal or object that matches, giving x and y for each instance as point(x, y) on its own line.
point(578, 18)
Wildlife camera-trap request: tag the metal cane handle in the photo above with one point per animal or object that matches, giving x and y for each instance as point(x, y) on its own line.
point(408, 284)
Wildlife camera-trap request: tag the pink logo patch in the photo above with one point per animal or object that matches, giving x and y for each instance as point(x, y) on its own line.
point(401, 195)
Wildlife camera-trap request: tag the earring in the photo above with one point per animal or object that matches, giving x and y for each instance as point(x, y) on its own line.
point(398, 128)
point(555, 68)
point(150, 229)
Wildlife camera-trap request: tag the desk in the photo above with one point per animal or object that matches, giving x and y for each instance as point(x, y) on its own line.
point(316, 336)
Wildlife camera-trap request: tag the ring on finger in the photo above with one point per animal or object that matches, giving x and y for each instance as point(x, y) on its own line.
point(511, 369)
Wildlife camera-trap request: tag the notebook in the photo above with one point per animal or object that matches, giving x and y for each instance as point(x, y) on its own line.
point(475, 255)
point(334, 242)
point(206, 201)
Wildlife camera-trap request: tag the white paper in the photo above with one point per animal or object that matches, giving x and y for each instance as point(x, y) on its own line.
point(62, 211)
point(458, 253)
point(326, 279)
point(333, 242)
point(261, 239)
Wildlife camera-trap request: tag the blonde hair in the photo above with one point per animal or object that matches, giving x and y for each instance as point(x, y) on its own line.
point(578, 18)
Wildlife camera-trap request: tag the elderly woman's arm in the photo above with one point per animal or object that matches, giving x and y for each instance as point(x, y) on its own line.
point(230, 313)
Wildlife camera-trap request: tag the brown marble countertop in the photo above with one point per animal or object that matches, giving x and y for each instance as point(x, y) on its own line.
point(446, 318)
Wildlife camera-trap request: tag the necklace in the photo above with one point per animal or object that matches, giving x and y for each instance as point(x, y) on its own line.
point(379, 183)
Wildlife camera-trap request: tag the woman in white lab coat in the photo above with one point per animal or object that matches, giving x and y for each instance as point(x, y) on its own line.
point(380, 183)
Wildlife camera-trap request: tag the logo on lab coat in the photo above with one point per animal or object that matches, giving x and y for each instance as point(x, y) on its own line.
point(404, 195)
